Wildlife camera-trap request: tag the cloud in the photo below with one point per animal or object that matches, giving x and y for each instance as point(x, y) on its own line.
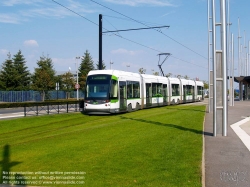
point(16, 2)
point(57, 11)
point(9, 18)
point(46, 12)
point(125, 52)
point(62, 65)
point(30, 43)
point(40, 8)
point(4, 51)
point(172, 12)
point(142, 2)
point(65, 61)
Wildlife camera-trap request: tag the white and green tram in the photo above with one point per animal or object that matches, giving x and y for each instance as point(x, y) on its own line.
point(114, 91)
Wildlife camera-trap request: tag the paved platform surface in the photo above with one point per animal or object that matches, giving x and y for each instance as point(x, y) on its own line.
point(227, 159)
point(246, 127)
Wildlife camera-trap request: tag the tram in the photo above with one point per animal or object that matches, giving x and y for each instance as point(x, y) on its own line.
point(115, 91)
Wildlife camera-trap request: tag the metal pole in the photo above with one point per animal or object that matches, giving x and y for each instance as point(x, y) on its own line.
point(241, 61)
point(111, 64)
point(224, 66)
point(232, 40)
point(128, 66)
point(77, 90)
point(228, 55)
point(100, 41)
point(57, 88)
point(25, 110)
point(214, 67)
point(208, 27)
point(245, 51)
point(249, 58)
point(239, 66)
point(243, 56)
point(228, 37)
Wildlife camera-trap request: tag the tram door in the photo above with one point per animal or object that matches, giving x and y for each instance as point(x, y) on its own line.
point(148, 94)
point(165, 94)
point(193, 94)
point(184, 93)
point(123, 95)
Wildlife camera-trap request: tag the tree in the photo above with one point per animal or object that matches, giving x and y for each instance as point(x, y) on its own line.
point(86, 65)
point(6, 74)
point(206, 86)
point(156, 73)
point(67, 82)
point(44, 76)
point(169, 75)
point(14, 74)
point(22, 75)
point(186, 77)
point(142, 71)
point(103, 65)
point(1, 82)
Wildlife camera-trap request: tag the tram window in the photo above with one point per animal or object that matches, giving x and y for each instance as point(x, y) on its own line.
point(200, 90)
point(114, 89)
point(154, 89)
point(165, 90)
point(190, 90)
point(175, 90)
point(136, 90)
point(148, 90)
point(98, 87)
point(133, 89)
point(129, 89)
point(157, 89)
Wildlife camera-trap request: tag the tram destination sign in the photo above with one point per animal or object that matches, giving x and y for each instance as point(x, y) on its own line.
point(99, 77)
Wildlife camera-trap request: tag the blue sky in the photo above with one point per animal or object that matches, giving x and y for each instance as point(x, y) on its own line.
point(38, 27)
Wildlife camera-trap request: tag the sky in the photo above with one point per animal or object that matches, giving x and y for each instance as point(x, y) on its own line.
point(65, 29)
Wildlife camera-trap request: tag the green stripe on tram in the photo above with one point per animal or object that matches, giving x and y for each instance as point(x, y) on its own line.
point(114, 100)
point(114, 78)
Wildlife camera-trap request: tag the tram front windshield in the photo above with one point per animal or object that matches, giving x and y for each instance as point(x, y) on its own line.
point(97, 87)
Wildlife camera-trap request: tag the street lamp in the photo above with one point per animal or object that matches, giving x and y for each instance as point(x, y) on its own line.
point(128, 66)
point(77, 85)
point(111, 64)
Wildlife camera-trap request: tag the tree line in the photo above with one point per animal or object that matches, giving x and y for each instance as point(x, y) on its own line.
point(15, 76)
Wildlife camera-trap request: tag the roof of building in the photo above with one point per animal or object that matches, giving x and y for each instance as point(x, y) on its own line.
point(244, 79)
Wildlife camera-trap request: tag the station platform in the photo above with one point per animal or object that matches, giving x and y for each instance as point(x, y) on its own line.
point(227, 158)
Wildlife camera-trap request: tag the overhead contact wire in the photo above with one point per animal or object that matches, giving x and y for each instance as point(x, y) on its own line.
point(148, 26)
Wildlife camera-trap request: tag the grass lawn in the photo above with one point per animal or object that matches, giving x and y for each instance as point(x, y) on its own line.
point(154, 147)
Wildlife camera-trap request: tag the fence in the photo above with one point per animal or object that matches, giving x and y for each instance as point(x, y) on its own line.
point(23, 96)
point(52, 108)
